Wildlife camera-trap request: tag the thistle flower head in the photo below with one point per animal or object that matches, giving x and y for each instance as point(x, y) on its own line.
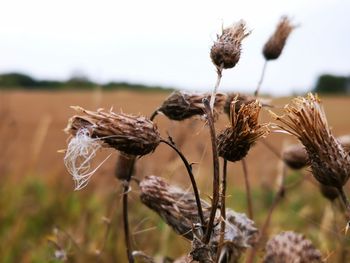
point(134, 135)
point(226, 51)
point(305, 119)
point(274, 46)
point(239, 99)
point(235, 141)
point(290, 247)
point(182, 105)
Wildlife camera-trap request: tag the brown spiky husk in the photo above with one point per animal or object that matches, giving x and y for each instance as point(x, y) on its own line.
point(178, 209)
point(290, 247)
point(240, 98)
point(182, 105)
point(274, 46)
point(235, 141)
point(125, 167)
point(226, 51)
point(305, 119)
point(134, 135)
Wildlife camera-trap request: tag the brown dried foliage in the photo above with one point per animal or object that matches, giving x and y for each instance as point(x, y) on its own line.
point(134, 135)
point(274, 46)
point(226, 51)
point(181, 105)
point(290, 247)
point(306, 120)
point(235, 141)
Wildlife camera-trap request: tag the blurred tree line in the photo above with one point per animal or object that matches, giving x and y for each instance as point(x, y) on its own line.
point(18, 80)
point(330, 84)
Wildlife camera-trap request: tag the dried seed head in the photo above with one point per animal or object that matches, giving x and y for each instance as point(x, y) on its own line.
point(181, 105)
point(290, 247)
point(176, 207)
point(134, 135)
point(305, 119)
point(295, 156)
point(274, 46)
point(240, 100)
point(235, 141)
point(226, 51)
point(125, 167)
point(240, 234)
point(329, 192)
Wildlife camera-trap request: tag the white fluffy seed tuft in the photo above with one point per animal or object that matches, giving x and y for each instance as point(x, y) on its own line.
point(80, 152)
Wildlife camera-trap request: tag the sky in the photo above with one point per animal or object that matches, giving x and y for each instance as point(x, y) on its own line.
point(167, 43)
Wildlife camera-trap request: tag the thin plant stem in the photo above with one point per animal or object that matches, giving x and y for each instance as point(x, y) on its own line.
point(217, 84)
point(272, 149)
point(345, 200)
point(216, 177)
point(247, 187)
point(222, 207)
point(154, 114)
point(126, 222)
point(278, 197)
point(193, 181)
point(256, 93)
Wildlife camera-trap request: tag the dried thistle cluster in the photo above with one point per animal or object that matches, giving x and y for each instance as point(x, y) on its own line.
point(235, 141)
point(274, 46)
point(226, 51)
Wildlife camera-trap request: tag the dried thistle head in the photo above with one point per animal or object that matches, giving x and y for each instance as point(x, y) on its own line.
point(240, 100)
point(305, 119)
point(226, 51)
point(274, 46)
point(134, 135)
point(290, 247)
point(235, 141)
point(176, 207)
point(295, 156)
point(182, 105)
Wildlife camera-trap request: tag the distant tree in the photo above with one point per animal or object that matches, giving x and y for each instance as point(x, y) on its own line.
point(331, 84)
point(17, 80)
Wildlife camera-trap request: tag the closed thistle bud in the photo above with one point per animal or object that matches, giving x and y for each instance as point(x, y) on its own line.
point(295, 156)
point(329, 192)
point(305, 119)
point(134, 135)
point(235, 141)
point(274, 46)
point(290, 247)
point(176, 206)
point(182, 105)
point(226, 51)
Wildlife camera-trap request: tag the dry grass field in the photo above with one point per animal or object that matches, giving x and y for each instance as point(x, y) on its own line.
point(41, 214)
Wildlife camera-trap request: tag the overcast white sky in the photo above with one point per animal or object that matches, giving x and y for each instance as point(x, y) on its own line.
point(168, 42)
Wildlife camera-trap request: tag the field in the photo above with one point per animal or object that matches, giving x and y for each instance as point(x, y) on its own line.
point(42, 216)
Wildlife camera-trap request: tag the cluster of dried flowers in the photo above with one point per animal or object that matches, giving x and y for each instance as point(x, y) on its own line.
point(217, 233)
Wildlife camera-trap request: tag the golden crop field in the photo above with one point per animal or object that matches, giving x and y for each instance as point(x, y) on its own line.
point(42, 216)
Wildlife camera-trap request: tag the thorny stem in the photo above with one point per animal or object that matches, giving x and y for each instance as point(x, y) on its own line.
point(216, 177)
point(247, 187)
point(217, 84)
point(222, 208)
point(256, 93)
point(126, 222)
point(193, 181)
point(278, 197)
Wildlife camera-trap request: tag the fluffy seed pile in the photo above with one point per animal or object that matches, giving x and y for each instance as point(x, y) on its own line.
point(226, 51)
point(274, 46)
point(182, 105)
point(235, 141)
point(290, 247)
point(134, 135)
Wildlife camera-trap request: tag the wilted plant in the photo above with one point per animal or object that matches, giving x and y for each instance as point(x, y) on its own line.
point(330, 162)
